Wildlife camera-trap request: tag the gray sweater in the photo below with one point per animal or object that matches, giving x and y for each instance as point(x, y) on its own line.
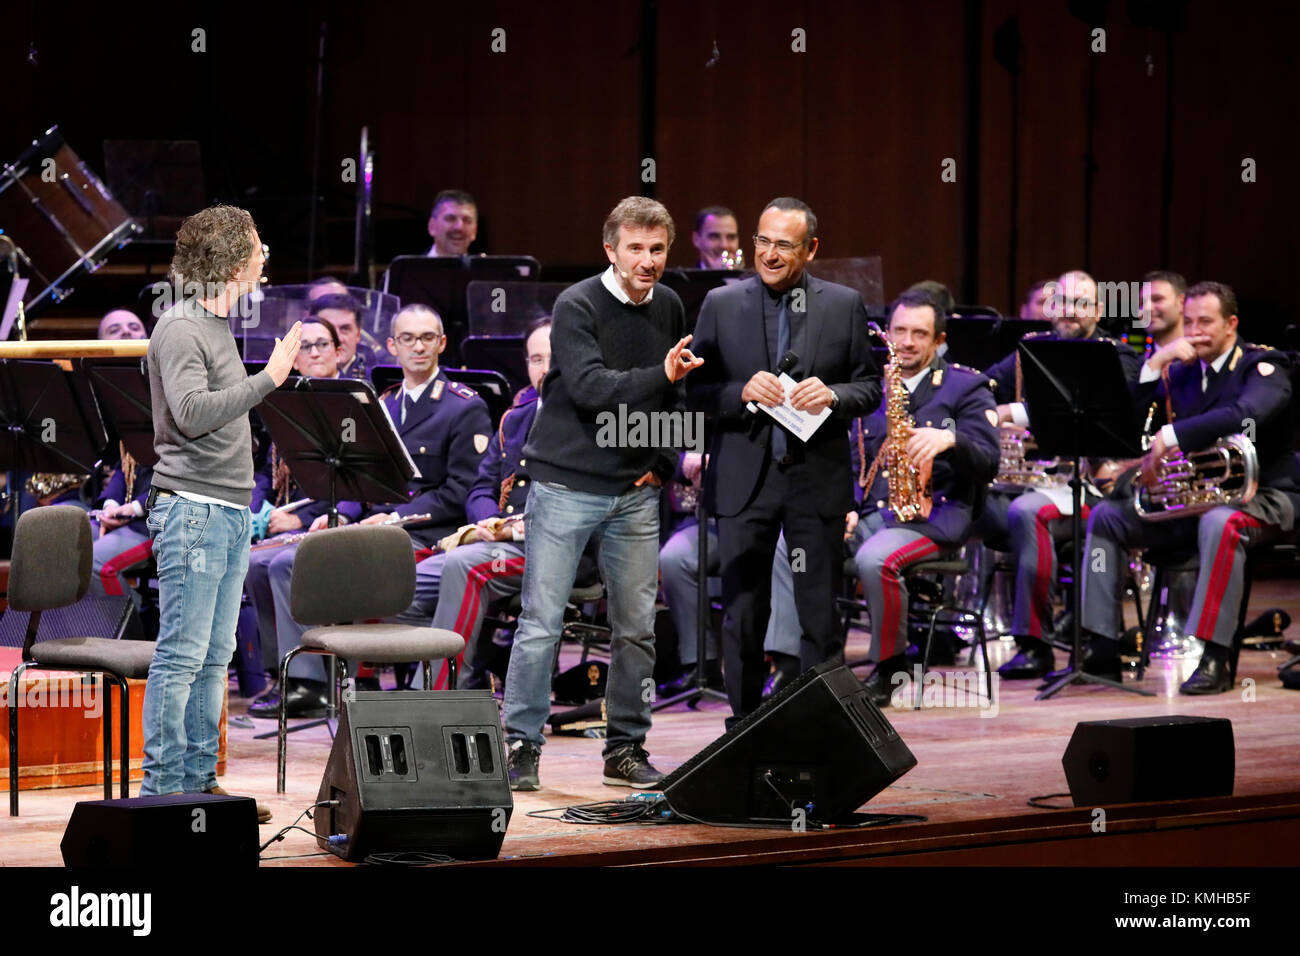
point(201, 397)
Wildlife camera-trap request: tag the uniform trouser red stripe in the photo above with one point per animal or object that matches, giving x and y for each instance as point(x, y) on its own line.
point(892, 620)
point(108, 574)
point(1210, 623)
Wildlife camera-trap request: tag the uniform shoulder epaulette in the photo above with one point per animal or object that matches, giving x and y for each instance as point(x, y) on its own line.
point(390, 390)
point(461, 389)
point(1045, 333)
point(965, 368)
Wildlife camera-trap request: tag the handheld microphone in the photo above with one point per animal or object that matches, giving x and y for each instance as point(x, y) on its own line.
point(788, 361)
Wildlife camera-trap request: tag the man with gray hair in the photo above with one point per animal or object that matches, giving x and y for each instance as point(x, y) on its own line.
point(202, 486)
point(618, 345)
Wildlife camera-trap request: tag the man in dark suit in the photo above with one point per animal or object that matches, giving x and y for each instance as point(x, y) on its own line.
point(1215, 385)
point(761, 477)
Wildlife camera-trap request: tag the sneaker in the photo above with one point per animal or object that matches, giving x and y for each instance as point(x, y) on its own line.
point(522, 764)
point(629, 766)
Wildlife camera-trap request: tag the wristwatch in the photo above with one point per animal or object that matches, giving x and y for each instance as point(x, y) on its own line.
point(835, 398)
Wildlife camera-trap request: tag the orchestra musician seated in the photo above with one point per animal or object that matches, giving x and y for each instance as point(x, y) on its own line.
point(1206, 386)
point(446, 428)
point(952, 438)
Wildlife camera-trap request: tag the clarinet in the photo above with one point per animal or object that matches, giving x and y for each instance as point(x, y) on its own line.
point(282, 540)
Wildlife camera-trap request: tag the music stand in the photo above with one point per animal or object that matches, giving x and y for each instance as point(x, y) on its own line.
point(1079, 406)
point(443, 282)
point(702, 606)
point(44, 424)
point(121, 391)
point(338, 441)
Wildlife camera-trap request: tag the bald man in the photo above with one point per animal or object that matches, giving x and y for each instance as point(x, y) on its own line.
point(121, 324)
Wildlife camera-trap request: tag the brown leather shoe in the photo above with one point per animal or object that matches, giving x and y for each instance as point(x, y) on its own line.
point(263, 814)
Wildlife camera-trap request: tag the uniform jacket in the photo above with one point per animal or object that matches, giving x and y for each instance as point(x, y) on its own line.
point(950, 396)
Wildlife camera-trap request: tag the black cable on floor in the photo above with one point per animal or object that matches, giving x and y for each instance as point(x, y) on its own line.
point(1038, 802)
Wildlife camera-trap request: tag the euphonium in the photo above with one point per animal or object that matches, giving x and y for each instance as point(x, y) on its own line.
point(1189, 483)
point(909, 486)
point(1017, 472)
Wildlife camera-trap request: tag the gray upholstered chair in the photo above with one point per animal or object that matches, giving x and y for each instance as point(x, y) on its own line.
point(51, 569)
point(354, 574)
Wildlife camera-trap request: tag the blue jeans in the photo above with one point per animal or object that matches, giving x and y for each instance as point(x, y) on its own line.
point(202, 555)
point(559, 523)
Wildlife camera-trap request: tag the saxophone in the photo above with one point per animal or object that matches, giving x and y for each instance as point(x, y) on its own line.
point(910, 496)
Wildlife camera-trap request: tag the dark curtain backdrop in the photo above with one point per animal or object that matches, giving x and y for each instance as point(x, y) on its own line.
point(550, 133)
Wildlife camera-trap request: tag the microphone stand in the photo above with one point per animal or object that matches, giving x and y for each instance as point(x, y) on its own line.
point(701, 689)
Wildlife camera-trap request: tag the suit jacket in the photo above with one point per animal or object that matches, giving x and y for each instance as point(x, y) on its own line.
point(731, 337)
point(960, 475)
point(446, 433)
point(1251, 394)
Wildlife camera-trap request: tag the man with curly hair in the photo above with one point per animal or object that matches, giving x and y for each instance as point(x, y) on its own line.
point(202, 486)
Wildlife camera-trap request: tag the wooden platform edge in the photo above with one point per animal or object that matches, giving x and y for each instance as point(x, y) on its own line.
point(1260, 830)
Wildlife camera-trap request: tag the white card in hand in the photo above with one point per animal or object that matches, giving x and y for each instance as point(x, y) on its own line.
point(798, 423)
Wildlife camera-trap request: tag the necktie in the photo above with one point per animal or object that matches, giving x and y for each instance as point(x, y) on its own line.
point(1208, 378)
point(408, 404)
point(782, 346)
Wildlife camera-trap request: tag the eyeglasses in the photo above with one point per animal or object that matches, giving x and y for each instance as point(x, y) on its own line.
point(408, 338)
point(783, 246)
point(538, 360)
point(323, 345)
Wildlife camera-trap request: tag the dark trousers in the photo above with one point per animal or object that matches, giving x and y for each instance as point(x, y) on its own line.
point(788, 497)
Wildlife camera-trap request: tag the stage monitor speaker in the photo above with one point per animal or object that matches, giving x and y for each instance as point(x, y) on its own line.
point(819, 745)
point(416, 771)
point(1142, 759)
point(186, 830)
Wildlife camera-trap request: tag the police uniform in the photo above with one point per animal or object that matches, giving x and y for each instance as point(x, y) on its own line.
point(1249, 391)
point(127, 545)
point(946, 396)
point(473, 576)
point(445, 430)
point(1030, 524)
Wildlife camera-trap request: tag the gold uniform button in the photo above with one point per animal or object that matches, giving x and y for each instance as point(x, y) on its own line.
point(421, 449)
point(510, 509)
point(880, 504)
point(521, 482)
point(928, 424)
point(522, 463)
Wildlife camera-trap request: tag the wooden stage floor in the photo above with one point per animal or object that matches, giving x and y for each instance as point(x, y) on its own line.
point(974, 775)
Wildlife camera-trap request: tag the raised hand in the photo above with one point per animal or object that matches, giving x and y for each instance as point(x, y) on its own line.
point(285, 353)
point(680, 360)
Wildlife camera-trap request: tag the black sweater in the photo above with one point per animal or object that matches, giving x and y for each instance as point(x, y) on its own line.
point(605, 354)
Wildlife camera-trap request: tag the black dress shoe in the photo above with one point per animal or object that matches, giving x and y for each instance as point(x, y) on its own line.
point(686, 682)
point(270, 692)
point(1034, 659)
point(880, 685)
point(785, 668)
point(306, 698)
point(1212, 674)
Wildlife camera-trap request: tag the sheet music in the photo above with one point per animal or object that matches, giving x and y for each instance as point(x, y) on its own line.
point(401, 444)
